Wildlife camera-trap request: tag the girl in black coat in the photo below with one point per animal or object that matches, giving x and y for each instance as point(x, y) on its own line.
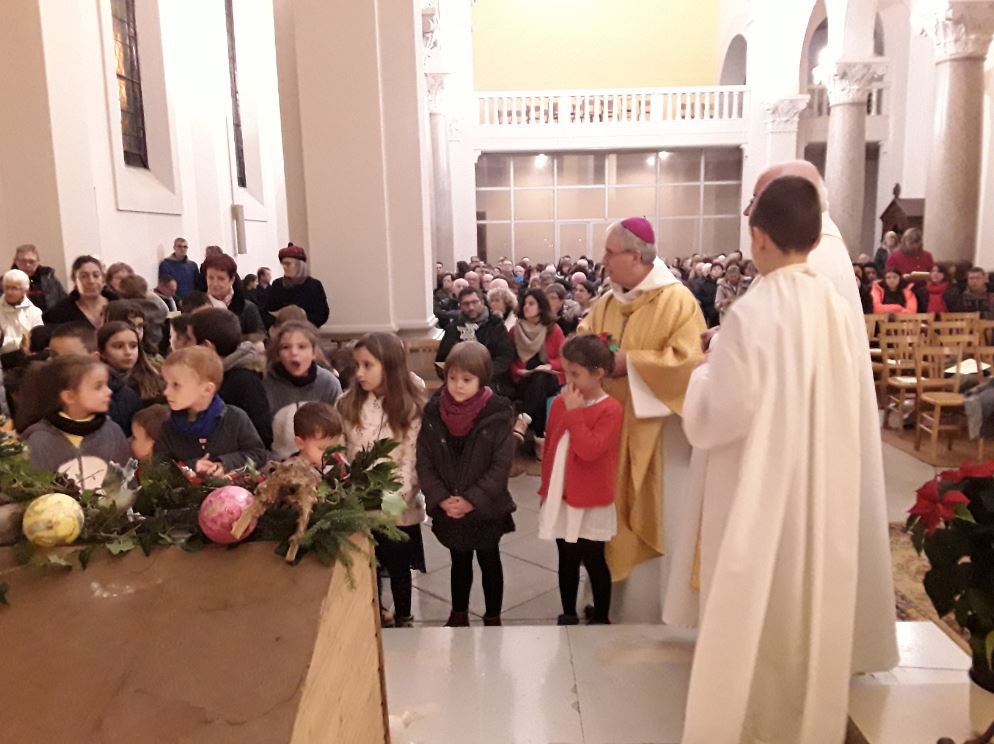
point(465, 449)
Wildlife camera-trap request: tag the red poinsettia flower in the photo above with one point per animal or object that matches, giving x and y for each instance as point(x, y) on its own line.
point(934, 508)
point(977, 469)
point(952, 476)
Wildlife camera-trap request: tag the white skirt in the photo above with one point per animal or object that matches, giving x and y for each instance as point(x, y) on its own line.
point(559, 520)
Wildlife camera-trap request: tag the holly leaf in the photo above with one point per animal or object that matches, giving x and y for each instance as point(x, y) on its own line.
point(121, 545)
point(23, 553)
point(84, 556)
point(4, 587)
point(989, 649)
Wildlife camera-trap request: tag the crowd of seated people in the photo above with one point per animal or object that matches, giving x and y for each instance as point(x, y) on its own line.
point(903, 278)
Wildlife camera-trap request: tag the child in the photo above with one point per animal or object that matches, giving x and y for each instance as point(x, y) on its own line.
point(782, 407)
point(121, 349)
point(316, 427)
point(202, 431)
point(893, 295)
point(73, 422)
point(180, 335)
point(294, 378)
point(73, 338)
point(145, 430)
point(244, 366)
point(464, 458)
point(577, 491)
point(385, 402)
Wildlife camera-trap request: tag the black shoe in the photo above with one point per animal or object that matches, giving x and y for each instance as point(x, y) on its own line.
point(567, 620)
point(598, 621)
point(492, 620)
point(404, 621)
point(457, 620)
point(387, 619)
point(588, 613)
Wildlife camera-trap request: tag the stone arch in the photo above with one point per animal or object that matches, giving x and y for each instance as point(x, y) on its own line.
point(733, 69)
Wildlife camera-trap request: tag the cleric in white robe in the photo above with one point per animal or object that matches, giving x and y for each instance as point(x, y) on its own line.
point(780, 394)
point(874, 639)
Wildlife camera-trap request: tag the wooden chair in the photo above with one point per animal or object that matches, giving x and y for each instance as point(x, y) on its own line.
point(913, 327)
point(898, 382)
point(421, 361)
point(937, 392)
point(985, 332)
point(952, 333)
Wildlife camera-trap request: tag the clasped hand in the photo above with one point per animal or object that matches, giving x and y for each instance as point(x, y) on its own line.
point(456, 507)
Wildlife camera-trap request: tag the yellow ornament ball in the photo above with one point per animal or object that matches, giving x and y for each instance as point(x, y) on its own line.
point(52, 519)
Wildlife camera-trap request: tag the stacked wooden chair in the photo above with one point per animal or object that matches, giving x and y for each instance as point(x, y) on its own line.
point(920, 364)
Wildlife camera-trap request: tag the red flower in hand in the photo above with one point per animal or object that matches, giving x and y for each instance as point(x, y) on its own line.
point(934, 508)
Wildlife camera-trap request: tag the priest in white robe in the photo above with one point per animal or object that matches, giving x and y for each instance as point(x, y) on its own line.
point(694, 551)
point(780, 395)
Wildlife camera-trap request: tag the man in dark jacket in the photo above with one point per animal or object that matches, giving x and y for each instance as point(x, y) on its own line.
point(475, 323)
point(180, 268)
point(976, 298)
point(45, 290)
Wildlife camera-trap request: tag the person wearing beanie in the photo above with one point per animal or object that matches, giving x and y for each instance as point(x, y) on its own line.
point(297, 287)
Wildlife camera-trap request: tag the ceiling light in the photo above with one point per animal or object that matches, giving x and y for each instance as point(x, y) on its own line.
point(663, 154)
point(541, 160)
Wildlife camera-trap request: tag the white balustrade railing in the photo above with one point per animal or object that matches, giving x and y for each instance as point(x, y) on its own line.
point(819, 101)
point(612, 106)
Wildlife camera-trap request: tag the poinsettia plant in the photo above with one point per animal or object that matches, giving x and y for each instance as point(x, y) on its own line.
point(952, 522)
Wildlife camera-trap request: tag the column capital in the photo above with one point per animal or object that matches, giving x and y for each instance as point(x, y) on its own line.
point(961, 29)
point(782, 115)
point(850, 81)
point(435, 88)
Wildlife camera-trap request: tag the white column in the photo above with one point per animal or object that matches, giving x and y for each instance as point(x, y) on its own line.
point(848, 83)
point(364, 143)
point(962, 33)
point(782, 117)
point(442, 229)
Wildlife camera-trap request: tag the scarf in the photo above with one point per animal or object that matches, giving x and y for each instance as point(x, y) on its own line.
point(222, 304)
point(936, 299)
point(529, 340)
point(202, 426)
point(75, 427)
point(308, 377)
point(460, 417)
point(467, 328)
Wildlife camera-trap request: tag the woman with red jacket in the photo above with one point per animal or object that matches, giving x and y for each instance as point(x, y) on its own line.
point(578, 475)
point(893, 294)
point(537, 370)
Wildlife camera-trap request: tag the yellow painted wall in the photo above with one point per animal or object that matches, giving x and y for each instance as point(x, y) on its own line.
point(543, 44)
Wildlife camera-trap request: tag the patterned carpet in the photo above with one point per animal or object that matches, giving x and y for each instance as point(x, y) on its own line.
point(912, 601)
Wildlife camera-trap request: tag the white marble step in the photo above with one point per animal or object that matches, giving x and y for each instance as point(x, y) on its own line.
point(627, 684)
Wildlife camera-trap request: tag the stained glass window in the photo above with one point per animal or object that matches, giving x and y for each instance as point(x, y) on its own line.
point(129, 83)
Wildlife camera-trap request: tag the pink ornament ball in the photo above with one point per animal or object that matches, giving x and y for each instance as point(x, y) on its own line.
point(221, 509)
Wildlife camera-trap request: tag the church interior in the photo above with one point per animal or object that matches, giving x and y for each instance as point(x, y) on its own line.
point(410, 158)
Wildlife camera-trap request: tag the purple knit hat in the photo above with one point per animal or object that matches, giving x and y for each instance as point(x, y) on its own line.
point(641, 228)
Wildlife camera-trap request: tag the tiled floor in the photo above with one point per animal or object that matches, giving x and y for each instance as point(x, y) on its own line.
point(533, 682)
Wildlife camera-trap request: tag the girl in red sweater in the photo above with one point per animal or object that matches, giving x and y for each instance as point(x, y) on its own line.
point(578, 474)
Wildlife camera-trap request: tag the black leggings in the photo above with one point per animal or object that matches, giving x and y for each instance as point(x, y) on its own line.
point(395, 557)
point(462, 579)
point(591, 554)
point(534, 391)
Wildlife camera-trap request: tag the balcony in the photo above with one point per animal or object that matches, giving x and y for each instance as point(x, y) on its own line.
point(814, 119)
point(611, 118)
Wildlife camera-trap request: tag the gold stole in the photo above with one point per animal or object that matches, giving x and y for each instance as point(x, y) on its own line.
point(660, 333)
